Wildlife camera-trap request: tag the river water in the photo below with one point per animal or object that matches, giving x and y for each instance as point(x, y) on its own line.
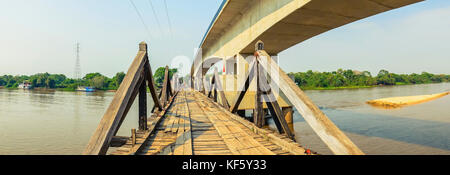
point(56, 122)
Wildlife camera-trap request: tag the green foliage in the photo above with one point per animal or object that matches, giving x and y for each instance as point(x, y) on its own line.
point(353, 79)
point(46, 80)
point(118, 79)
point(159, 75)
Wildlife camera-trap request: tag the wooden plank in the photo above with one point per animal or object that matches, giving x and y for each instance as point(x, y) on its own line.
point(187, 150)
point(169, 125)
point(330, 134)
point(175, 125)
point(230, 141)
point(100, 140)
point(285, 143)
point(152, 128)
point(179, 148)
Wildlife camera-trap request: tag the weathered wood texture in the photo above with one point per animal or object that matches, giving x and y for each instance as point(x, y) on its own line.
point(133, 147)
point(333, 137)
point(195, 125)
point(99, 142)
point(242, 90)
point(164, 90)
point(258, 114)
point(274, 107)
point(143, 106)
point(219, 88)
point(133, 84)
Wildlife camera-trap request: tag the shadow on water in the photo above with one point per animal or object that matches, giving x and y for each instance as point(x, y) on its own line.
point(415, 131)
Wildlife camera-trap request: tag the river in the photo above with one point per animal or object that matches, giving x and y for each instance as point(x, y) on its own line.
point(57, 122)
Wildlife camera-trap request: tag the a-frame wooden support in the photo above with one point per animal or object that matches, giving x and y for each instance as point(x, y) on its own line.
point(134, 83)
point(263, 94)
point(166, 90)
point(330, 134)
point(216, 89)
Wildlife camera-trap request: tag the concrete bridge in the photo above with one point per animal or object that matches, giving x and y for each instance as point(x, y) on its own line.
point(209, 117)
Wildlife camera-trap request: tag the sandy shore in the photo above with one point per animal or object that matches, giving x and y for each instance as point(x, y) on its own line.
point(395, 102)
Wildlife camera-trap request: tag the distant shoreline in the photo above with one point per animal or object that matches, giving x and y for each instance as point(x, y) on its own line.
point(56, 89)
point(362, 87)
point(303, 88)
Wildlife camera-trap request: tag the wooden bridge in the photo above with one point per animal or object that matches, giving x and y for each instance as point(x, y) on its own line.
point(206, 117)
point(185, 122)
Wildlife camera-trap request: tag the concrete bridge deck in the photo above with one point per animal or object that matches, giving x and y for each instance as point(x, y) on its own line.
point(196, 125)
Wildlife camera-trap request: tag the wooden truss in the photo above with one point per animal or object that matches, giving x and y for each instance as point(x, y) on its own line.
point(136, 81)
point(330, 134)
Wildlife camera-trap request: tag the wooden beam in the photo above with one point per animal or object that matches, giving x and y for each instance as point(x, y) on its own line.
point(132, 98)
point(330, 134)
point(219, 87)
point(274, 107)
point(211, 87)
point(164, 88)
point(170, 88)
point(258, 113)
point(143, 106)
point(133, 137)
point(243, 89)
point(100, 140)
point(215, 94)
point(288, 114)
point(151, 85)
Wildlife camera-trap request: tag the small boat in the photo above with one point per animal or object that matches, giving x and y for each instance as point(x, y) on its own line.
point(25, 85)
point(85, 89)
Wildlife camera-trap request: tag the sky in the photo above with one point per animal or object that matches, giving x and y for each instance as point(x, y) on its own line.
point(41, 35)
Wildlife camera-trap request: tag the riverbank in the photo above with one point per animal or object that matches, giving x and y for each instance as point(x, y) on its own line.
point(363, 87)
point(336, 88)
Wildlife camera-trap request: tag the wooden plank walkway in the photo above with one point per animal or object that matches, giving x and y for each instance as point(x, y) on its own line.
point(195, 125)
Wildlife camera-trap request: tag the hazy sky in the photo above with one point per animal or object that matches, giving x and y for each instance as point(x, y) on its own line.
point(41, 36)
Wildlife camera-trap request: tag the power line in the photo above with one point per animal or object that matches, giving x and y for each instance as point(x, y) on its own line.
point(168, 18)
point(140, 17)
point(156, 16)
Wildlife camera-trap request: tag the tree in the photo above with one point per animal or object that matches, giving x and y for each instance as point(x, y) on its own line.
point(385, 78)
point(159, 75)
point(98, 82)
point(117, 80)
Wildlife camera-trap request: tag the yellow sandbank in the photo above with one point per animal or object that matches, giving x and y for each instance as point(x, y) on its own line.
point(403, 101)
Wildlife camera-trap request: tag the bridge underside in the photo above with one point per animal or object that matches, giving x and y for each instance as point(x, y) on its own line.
point(281, 24)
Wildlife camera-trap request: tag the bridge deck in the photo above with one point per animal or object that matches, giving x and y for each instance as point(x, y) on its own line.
point(196, 125)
